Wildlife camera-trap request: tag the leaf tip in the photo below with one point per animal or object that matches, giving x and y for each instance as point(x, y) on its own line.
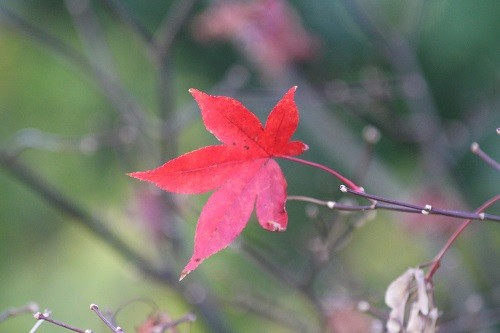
point(195, 92)
point(184, 274)
point(291, 91)
point(138, 175)
point(132, 174)
point(193, 263)
point(275, 226)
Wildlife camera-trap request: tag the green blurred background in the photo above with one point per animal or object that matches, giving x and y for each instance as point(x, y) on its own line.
point(91, 90)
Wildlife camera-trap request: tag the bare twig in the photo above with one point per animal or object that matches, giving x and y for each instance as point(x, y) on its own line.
point(281, 275)
point(39, 322)
point(58, 46)
point(335, 173)
point(123, 13)
point(169, 29)
point(123, 102)
point(116, 329)
point(268, 308)
point(207, 309)
point(402, 57)
point(425, 210)
point(162, 42)
point(32, 138)
point(31, 307)
point(475, 149)
point(436, 262)
point(132, 113)
point(188, 318)
point(56, 199)
point(44, 317)
point(101, 62)
point(160, 47)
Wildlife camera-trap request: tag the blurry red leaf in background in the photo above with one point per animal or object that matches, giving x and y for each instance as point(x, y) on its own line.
point(268, 32)
point(242, 170)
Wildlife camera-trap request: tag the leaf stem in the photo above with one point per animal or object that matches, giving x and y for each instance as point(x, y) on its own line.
point(336, 174)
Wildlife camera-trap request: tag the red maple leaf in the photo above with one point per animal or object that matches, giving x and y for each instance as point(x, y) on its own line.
point(241, 170)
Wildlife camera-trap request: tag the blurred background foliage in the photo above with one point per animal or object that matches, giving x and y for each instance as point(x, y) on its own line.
point(91, 90)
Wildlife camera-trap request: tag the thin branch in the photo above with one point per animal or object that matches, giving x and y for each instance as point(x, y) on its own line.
point(354, 208)
point(117, 95)
point(336, 174)
point(436, 262)
point(268, 309)
point(475, 149)
point(208, 308)
point(46, 313)
point(402, 57)
point(171, 25)
point(188, 318)
point(279, 273)
point(91, 35)
point(160, 48)
point(268, 266)
point(106, 321)
point(131, 111)
point(101, 62)
point(330, 204)
point(32, 138)
point(426, 209)
point(161, 45)
point(122, 101)
point(44, 317)
point(120, 9)
point(46, 39)
point(12, 312)
point(56, 199)
point(410, 208)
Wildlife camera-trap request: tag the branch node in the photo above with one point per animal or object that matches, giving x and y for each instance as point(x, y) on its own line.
point(32, 306)
point(474, 147)
point(331, 204)
point(481, 216)
point(427, 209)
point(371, 134)
point(363, 306)
point(343, 188)
point(95, 308)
